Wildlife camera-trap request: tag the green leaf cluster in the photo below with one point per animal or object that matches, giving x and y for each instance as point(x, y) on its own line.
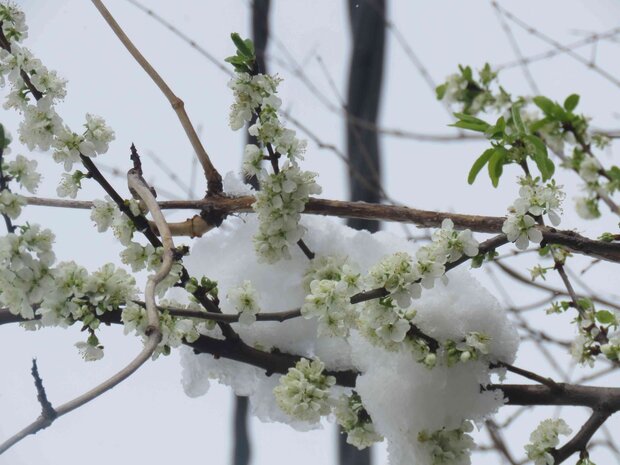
point(245, 58)
point(511, 142)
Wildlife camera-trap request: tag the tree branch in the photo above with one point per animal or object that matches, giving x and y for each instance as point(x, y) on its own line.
point(579, 442)
point(423, 218)
point(214, 179)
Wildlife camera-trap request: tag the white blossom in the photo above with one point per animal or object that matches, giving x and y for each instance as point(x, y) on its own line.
point(537, 199)
point(11, 204)
point(329, 302)
point(455, 243)
point(245, 300)
point(103, 213)
point(13, 21)
point(543, 439)
point(587, 208)
point(49, 83)
point(448, 447)
point(304, 391)
point(69, 185)
point(249, 93)
point(136, 255)
point(430, 264)
point(67, 147)
point(279, 204)
point(398, 275)
point(355, 422)
point(40, 125)
point(589, 169)
point(252, 160)
point(521, 229)
point(123, 228)
point(24, 172)
point(89, 352)
point(98, 136)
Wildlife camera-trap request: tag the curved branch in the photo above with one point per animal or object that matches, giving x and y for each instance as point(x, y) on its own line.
point(579, 442)
point(152, 331)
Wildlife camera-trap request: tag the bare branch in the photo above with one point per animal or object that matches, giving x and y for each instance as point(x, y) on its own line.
point(214, 179)
point(579, 442)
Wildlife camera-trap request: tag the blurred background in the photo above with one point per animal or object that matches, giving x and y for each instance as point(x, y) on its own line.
point(359, 81)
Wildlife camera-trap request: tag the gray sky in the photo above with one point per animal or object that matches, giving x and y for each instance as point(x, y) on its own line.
point(70, 37)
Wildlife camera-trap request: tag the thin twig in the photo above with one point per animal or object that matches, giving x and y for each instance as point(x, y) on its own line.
point(530, 375)
point(152, 331)
point(214, 179)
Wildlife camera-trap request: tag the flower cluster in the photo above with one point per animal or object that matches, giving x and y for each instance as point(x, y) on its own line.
point(303, 392)
point(330, 282)
point(472, 347)
point(250, 93)
point(611, 349)
point(11, 204)
point(23, 171)
point(590, 169)
point(174, 330)
point(593, 328)
point(279, 204)
point(473, 95)
point(26, 259)
point(13, 22)
point(285, 192)
point(106, 214)
point(385, 323)
point(245, 300)
point(545, 438)
point(454, 244)
point(535, 200)
point(397, 274)
point(355, 421)
point(42, 128)
point(448, 447)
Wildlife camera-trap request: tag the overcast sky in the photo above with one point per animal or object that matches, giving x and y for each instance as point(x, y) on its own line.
point(69, 36)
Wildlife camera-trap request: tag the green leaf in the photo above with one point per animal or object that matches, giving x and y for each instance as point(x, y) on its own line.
point(466, 73)
point(551, 109)
point(440, 91)
point(605, 317)
point(242, 46)
point(571, 102)
point(546, 105)
point(550, 167)
point(613, 172)
point(250, 45)
point(516, 118)
point(497, 131)
point(541, 123)
point(2, 139)
point(478, 164)
point(471, 126)
point(469, 118)
point(235, 60)
point(470, 122)
point(541, 156)
point(496, 165)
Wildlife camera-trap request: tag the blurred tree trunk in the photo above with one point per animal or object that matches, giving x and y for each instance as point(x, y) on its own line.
point(363, 98)
point(242, 451)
